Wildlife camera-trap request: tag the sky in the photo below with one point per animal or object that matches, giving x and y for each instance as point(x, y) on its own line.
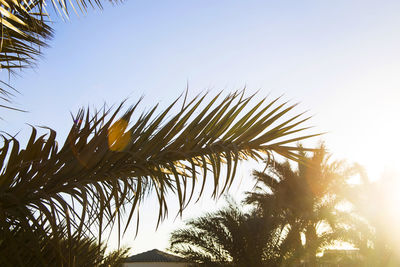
point(339, 59)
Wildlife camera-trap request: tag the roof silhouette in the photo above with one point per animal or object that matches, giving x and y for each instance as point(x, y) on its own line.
point(154, 255)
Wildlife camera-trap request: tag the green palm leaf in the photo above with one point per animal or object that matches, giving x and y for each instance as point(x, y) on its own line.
point(25, 30)
point(108, 163)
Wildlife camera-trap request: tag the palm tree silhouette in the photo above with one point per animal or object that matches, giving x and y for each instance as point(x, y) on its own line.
point(229, 237)
point(305, 199)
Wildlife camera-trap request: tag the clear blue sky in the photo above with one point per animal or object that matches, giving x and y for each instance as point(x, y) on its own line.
point(340, 59)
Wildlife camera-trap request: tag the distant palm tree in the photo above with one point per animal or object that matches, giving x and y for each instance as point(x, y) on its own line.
point(107, 166)
point(229, 237)
point(305, 199)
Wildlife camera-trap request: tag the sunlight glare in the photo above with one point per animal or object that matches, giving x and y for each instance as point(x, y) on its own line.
point(118, 139)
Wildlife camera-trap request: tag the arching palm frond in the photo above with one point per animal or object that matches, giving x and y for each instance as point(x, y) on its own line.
point(107, 164)
point(26, 30)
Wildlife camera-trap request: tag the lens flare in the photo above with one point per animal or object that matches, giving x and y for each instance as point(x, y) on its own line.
point(118, 139)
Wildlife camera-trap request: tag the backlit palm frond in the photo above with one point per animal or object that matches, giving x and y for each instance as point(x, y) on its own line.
point(24, 31)
point(6, 96)
point(25, 28)
point(107, 162)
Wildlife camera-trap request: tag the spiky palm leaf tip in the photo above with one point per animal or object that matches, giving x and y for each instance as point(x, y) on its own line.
point(108, 162)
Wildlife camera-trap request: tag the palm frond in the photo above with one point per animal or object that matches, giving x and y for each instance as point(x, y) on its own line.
point(26, 30)
point(109, 163)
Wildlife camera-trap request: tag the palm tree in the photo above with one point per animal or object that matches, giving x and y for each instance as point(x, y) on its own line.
point(107, 166)
point(229, 237)
point(305, 199)
point(75, 251)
